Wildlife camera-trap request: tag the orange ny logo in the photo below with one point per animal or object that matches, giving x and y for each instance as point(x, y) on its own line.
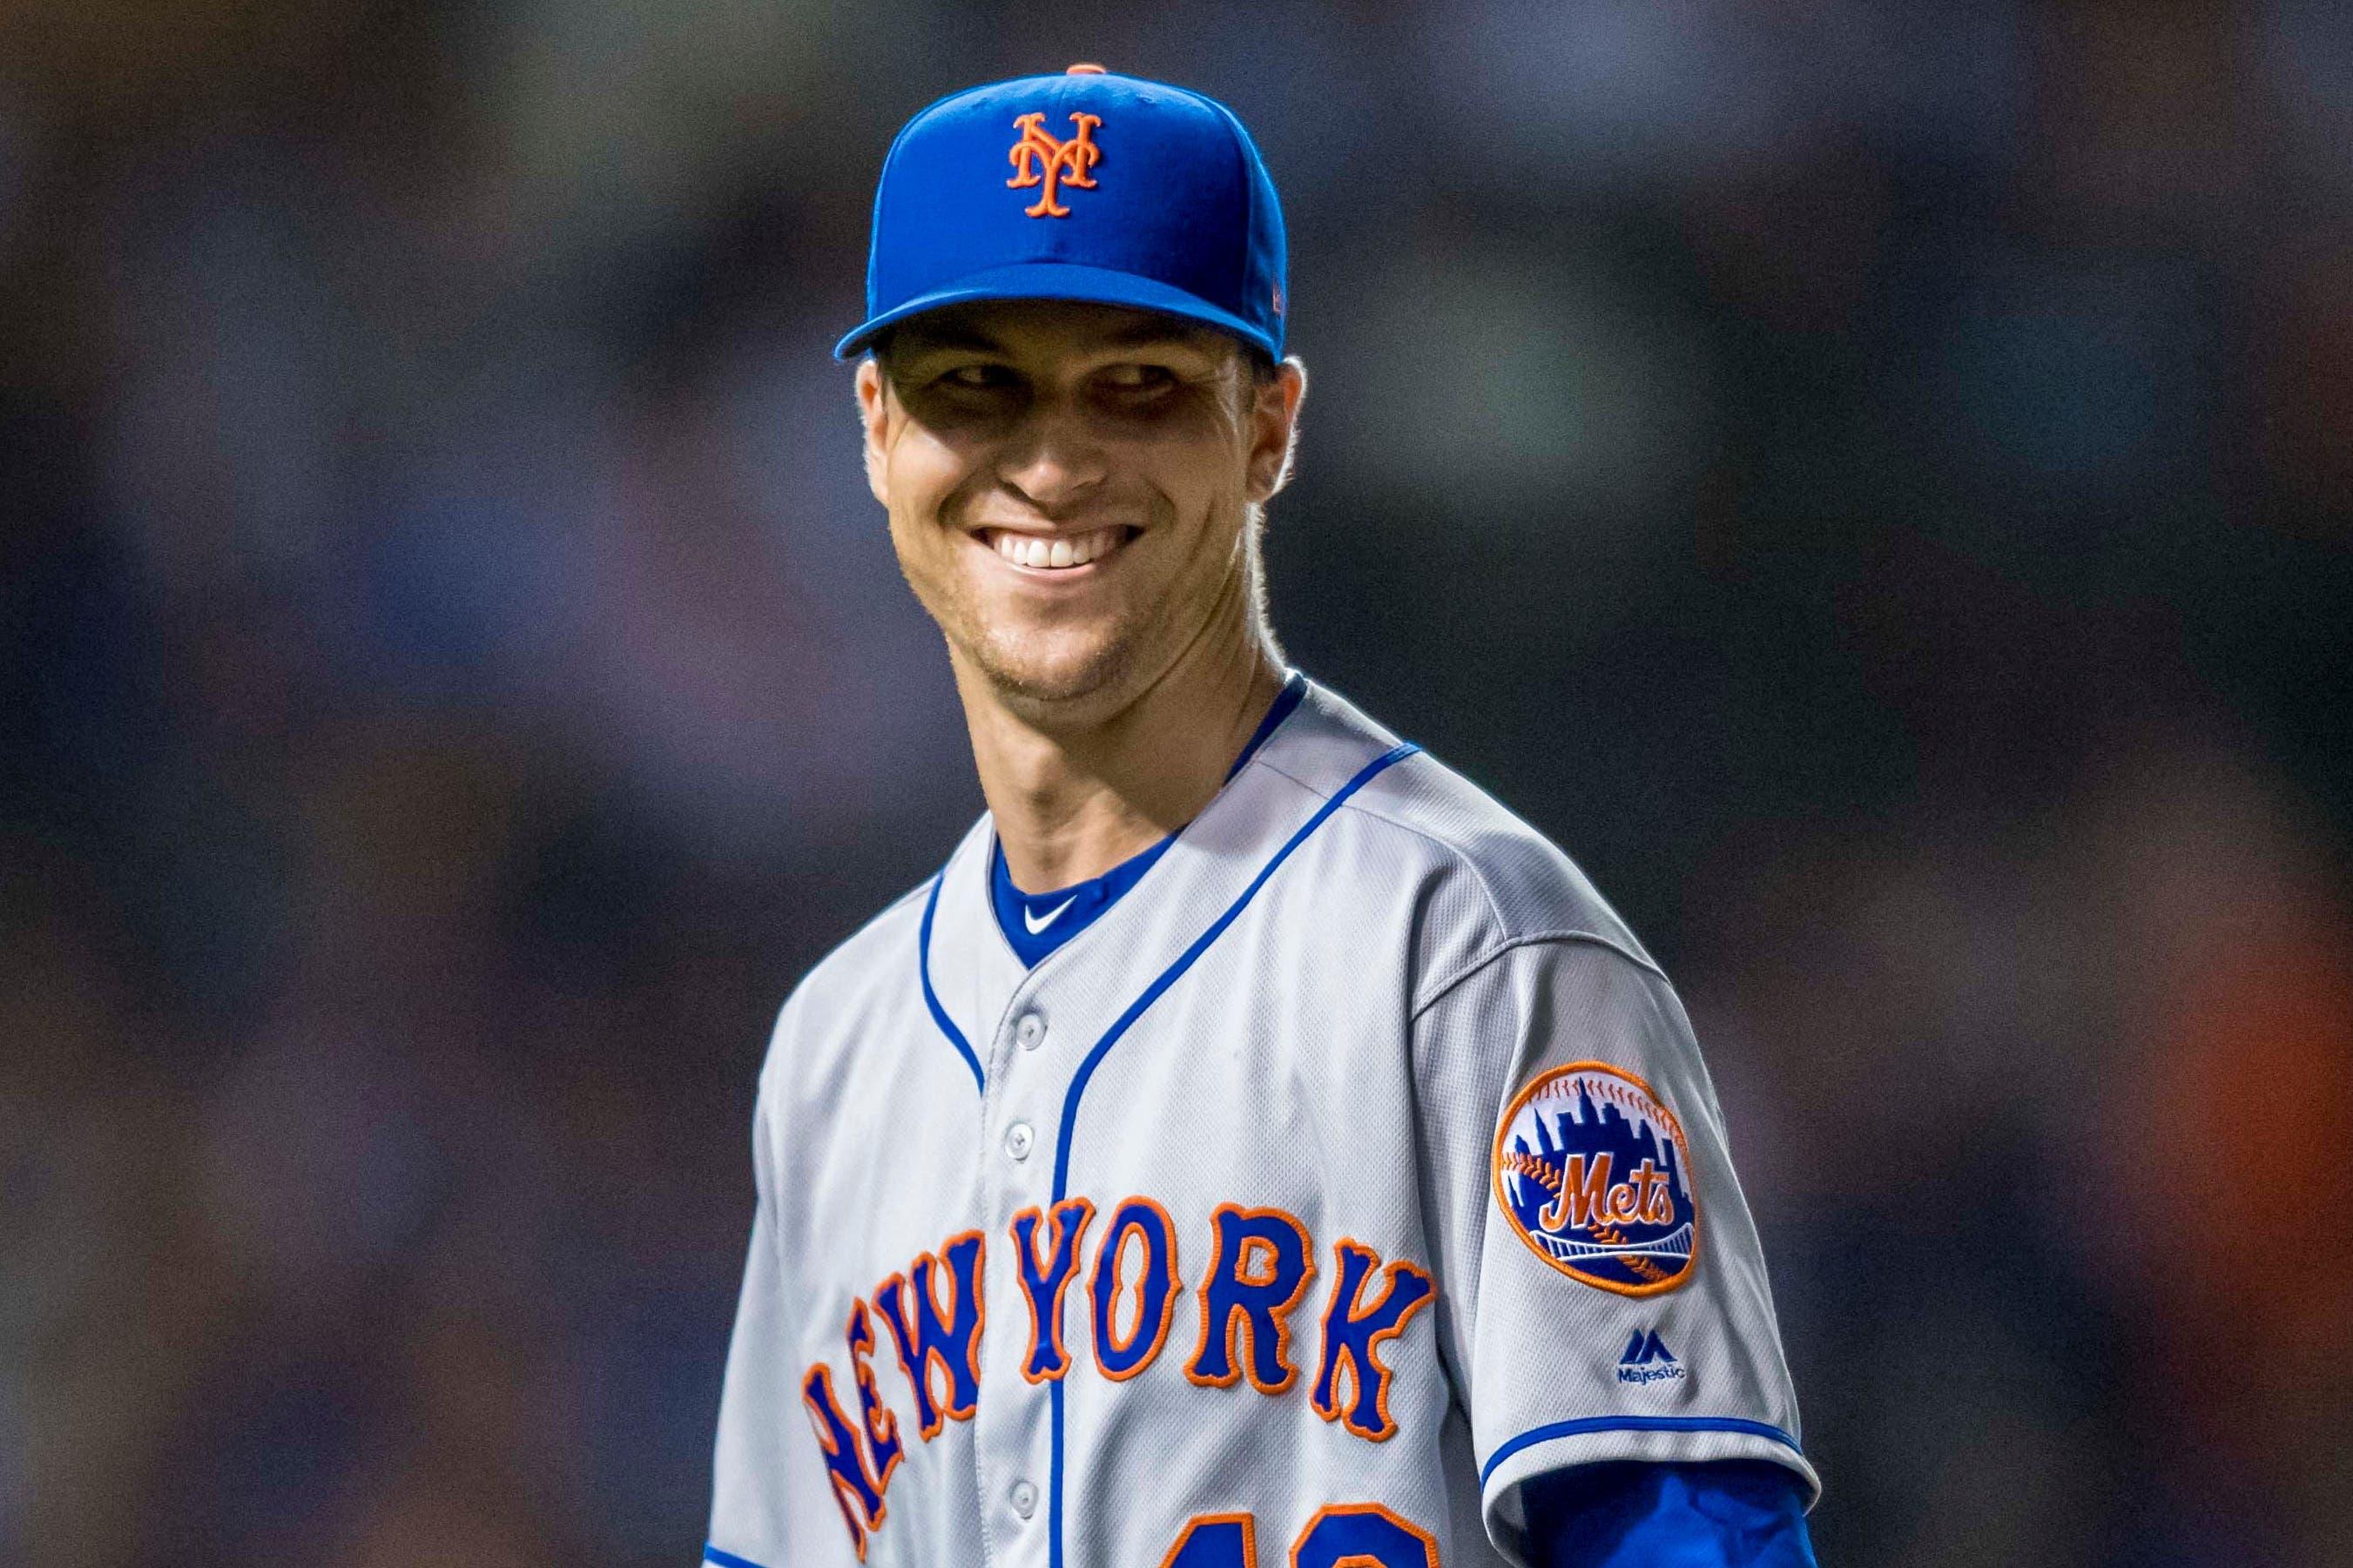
point(1039, 159)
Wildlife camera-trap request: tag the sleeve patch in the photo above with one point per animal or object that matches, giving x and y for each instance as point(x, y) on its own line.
point(1592, 1171)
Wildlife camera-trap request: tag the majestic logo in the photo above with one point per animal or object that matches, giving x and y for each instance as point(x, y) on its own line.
point(1040, 160)
point(1647, 1360)
point(1593, 1172)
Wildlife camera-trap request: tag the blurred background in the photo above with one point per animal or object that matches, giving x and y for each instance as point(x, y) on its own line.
point(1870, 481)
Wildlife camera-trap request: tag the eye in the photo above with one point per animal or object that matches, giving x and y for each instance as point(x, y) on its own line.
point(1130, 379)
point(976, 377)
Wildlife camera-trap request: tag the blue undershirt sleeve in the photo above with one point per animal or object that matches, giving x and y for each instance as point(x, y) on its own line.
point(1730, 1513)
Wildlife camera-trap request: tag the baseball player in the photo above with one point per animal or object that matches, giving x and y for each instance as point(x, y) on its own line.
point(1255, 1145)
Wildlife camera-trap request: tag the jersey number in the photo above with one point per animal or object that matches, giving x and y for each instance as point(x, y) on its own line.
point(1357, 1534)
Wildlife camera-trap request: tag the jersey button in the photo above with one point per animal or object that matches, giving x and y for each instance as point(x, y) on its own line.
point(1031, 1031)
point(1025, 1499)
point(1019, 1139)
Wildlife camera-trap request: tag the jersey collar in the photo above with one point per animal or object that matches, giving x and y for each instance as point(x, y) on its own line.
point(1304, 757)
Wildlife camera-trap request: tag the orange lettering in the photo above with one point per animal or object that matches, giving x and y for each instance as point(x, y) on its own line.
point(1583, 1197)
point(1039, 159)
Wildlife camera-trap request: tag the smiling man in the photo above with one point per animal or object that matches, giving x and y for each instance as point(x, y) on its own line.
point(1255, 1139)
point(1074, 493)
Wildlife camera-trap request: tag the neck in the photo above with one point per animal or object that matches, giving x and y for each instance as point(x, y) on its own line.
point(1072, 800)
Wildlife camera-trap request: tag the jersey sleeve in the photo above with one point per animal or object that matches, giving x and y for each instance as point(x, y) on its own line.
point(748, 1470)
point(1732, 1513)
point(1602, 1292)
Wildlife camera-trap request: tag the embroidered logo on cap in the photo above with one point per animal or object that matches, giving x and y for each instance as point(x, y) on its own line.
point(1039, 159)
point(1593, 1172)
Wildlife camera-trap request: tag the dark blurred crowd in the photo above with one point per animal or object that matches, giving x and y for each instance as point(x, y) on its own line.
point(1870, 481)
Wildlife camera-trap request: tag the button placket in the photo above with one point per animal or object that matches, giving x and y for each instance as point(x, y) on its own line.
point(1023, 1094)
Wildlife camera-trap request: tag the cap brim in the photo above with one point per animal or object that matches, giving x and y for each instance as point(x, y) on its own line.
point(1060, 280)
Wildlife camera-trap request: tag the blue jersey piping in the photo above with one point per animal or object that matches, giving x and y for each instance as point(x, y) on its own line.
point(1635, 1424)
point(1136, 1010)
point(932, 997)
point(726, 1559)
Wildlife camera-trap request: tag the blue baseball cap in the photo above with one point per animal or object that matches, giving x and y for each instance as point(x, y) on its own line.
point(1086, 186)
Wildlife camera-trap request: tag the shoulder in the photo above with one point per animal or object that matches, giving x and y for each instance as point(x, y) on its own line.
point(1480, 882)
point(873, 955)
point(870, 970)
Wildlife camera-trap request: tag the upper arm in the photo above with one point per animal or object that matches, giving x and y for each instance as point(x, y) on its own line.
point(1609, 1298)
point(759, 1396)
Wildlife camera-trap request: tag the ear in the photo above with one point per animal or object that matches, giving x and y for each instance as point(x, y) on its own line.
point(874, 418)
point(1274, 429)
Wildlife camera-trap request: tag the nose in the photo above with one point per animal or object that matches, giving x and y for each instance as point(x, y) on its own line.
point(1052, 460)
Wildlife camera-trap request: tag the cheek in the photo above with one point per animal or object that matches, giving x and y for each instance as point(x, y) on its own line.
point(1193, 455)
point(1202, 480)
point(920, 474)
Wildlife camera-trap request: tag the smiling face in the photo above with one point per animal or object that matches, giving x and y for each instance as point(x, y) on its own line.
point(1072, 489)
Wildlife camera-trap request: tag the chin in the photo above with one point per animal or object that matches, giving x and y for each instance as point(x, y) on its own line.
point(1054, 667)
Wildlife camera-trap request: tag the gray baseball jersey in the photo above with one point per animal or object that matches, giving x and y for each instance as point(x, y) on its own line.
point(1356, 1166)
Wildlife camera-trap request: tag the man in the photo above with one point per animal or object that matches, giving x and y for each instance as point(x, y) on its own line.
point(1255, 1139)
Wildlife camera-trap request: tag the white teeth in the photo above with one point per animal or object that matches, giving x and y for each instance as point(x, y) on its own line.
point(1072, 550)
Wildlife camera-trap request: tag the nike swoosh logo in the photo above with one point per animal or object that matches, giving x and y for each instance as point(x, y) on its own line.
point(1036, 923)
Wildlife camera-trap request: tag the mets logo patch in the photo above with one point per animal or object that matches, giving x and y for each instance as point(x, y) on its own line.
point(1593, 1172)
